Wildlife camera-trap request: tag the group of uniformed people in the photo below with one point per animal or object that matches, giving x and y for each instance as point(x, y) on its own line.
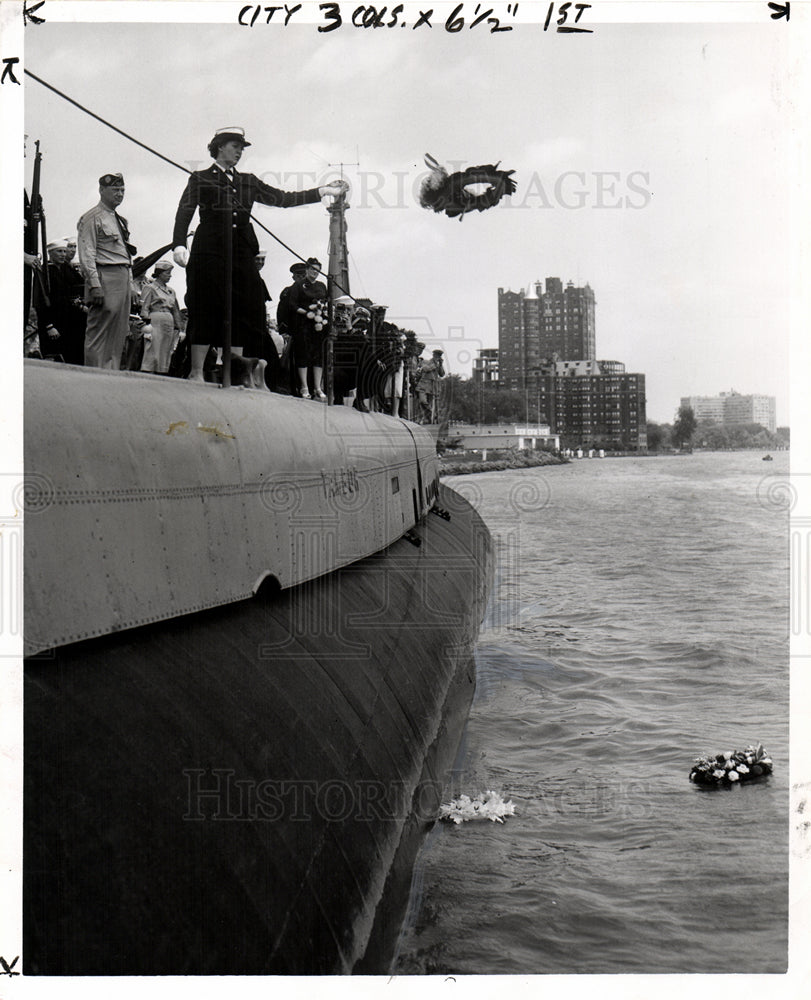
point(88, 316)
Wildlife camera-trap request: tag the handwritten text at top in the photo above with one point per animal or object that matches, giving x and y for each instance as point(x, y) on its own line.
point(564, 17)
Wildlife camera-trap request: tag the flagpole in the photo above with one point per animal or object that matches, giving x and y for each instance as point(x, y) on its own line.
point(228, 265)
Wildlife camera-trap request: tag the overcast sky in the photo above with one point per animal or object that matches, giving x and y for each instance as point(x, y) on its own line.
point(648, 160)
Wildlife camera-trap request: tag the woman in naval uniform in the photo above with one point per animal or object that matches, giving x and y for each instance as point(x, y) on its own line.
point(159, 308)
point(225, 199)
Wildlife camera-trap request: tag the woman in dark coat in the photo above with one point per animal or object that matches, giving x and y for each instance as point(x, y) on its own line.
point(225, 199)
point(308, 335)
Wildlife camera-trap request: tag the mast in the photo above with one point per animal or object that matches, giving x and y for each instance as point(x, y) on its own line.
point(337, 281)
point(337, 277)
point(338, 265)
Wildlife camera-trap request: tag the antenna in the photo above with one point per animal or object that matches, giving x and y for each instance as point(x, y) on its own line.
point(338, 253)
point(342, 164)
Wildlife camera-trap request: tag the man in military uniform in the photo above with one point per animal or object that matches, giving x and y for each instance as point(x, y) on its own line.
point(105, 256)
point(427, 386)
point(225, 199)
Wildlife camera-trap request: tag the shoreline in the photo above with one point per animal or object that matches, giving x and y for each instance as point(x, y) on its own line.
point(466, 467)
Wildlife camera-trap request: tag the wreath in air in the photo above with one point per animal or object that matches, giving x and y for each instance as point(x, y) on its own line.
point(474, 189)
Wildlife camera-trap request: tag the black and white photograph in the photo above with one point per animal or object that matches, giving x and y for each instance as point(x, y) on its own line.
point(405, 539)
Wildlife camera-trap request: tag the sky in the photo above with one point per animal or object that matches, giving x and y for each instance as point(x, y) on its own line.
point(648, 161)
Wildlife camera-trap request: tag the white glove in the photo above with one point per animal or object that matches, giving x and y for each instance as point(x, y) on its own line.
point(180, 256)
point(147, 331)
point(333, 189)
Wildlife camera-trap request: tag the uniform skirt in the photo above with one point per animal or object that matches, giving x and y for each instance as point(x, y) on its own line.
point(206, 285)
point(158, 350)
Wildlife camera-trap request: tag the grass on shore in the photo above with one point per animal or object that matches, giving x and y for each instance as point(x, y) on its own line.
point(460, 465)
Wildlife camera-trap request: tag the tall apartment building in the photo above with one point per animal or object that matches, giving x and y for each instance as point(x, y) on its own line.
point(592, 404)
point(734, 408)
point(534, 325)
point(547, 350)
point(594, 410)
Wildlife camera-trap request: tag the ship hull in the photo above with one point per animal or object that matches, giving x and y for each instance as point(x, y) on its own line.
point(243, 790)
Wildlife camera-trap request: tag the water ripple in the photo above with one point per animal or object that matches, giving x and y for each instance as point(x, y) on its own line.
point(640, 620)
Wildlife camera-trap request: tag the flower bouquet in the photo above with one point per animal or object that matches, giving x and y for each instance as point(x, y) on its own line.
point(486, 805)
point(727, 768)
point(318, 313)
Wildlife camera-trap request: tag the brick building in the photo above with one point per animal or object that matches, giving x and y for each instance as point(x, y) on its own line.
point(534, 325)
point(594, 410)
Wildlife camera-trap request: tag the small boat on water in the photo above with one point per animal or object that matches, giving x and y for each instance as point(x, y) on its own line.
point(767, 458)
point(249, 663)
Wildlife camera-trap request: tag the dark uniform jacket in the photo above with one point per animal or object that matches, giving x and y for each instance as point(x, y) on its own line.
point(225, 207)
point(62, 310)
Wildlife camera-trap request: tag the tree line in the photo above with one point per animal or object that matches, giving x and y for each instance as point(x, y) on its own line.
point(687, 432)
point(468, 402)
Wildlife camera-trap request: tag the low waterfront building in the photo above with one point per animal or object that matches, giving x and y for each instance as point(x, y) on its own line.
point(474, 437)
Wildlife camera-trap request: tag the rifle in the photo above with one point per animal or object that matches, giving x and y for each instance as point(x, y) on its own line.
point(34, 221)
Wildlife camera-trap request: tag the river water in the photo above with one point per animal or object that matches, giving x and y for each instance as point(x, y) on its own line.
point(639, 619)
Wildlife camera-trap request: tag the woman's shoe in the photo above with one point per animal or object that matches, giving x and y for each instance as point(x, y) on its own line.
point(304, 394)
point(319, 395)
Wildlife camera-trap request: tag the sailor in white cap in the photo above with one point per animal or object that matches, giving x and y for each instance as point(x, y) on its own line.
point(70, 243)
point(221, 194)
point(57, 251)
point(50, 339)
point(61, 319)
point(74, 275)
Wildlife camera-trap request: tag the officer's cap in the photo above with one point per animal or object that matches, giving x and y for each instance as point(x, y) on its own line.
point(111, 180)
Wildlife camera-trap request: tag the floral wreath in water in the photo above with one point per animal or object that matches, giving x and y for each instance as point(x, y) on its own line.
point(486, 805)
point(732, 767)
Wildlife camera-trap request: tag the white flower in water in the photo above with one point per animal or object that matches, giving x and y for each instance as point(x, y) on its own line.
point(718, 773)
point(733, 775)
point(487, 805)
point(743, 769)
